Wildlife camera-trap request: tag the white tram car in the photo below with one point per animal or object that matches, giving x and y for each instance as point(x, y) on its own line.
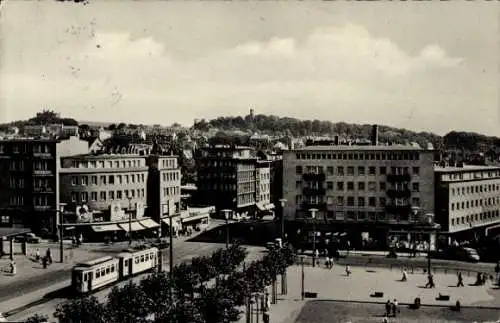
point(92, 275)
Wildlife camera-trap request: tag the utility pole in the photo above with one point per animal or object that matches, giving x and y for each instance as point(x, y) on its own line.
point(226, 217)
point(313, 217)
point(284, 287)
point(302, 276)
point(129, 220)
point(61, 231)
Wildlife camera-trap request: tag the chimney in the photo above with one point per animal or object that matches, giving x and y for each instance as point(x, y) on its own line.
point(336, 140)
point(374, 137)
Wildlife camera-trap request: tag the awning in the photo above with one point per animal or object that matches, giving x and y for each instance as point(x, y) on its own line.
point(260, 207)
point(270, 206)
point(106, 228)
point(149, 223)
point(175, 223)
point(69, 228)
point(195, 217)
point(135, 226)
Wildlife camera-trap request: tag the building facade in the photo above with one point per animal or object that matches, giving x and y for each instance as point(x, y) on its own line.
point(230, 178)
point(29, 188)
point(467, 200)
point(359, 187)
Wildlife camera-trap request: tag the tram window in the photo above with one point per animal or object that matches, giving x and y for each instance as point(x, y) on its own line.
point(108, 270)
point(136, 260)
point(126, 262)
point(147, 257)
point(84, 277)
point(98, 273)
point(142, 258)
point(112, 268)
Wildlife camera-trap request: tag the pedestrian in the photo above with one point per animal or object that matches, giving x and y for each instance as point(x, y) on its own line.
point(48, 254)
point(13, 267)
point(327, 262)
point(460, 280)
point(405, 276)
point(347, 270)
point(37, 255)
point(388, 308)
point(430, 281)
point(316, 256)
point(395, 308)
point(44, 262)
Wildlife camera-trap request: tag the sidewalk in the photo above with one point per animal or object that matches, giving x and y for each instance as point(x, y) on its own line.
point(335, 285)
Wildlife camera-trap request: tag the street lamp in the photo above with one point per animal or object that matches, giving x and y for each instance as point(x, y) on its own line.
point(226, 217)
point(313, 217)
point(61, 231)
point(282, 203)
point(284, 287)
point(129, 220)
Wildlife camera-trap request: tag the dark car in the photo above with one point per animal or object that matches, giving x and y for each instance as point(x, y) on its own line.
point(27, 237)
point(461, 254)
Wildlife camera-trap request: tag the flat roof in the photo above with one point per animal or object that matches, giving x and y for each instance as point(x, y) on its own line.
point(10, 232)
point(357, 147)
point(465, 168)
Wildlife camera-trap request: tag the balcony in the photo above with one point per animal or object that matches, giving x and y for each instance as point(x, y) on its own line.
point(42, 207)
point(398, 209)
point(395, 193)
point(392, 178)
point(45, 172)
point(320, 206)
point(308, 191)
point(42, 155)
point(314, 177)
point(43, 190)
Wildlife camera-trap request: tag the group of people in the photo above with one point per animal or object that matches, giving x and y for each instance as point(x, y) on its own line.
point(391, 308)
point(45, 260)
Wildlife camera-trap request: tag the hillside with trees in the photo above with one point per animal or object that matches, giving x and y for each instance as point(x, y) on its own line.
point(285, 126)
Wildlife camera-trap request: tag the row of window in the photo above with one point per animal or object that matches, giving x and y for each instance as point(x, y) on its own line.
point(356, 215)
point(38, 200)
point(171, 176)
point(361, 156)
point(109, 179)
point(246, 198)
point(82, 197)
point(473, 175)
point(475, 217)
point(475, 203)
point(475, 189)
point(103, 271)
point(264, 197)
point(353, 171)
point(144, 258)
point(353, 201)
point(171, 191)
point(17, 148)
point(131, 163)
point(169, 163)
point(361, 186)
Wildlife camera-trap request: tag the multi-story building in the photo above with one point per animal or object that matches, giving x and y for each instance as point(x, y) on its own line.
point(376, 190)
point(229, 178)
point(263, 185)
point(467, 200)
point(29, 186)
point(106, 190)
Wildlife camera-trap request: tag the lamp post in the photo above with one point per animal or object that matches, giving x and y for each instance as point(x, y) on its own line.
point(313, 217)
point(282, 203)
point(226, 217)
point(61, 231)
point(129, 220)
point(284, 287)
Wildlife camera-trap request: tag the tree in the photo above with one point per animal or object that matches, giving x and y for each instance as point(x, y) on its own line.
point(37, 319)
point(128, 304)
point(158, 287)
point(83, 310)
point(112, 127)
point(185, 280)
point(217, 306)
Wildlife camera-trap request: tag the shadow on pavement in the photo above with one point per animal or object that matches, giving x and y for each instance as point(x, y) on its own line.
point(248, 233)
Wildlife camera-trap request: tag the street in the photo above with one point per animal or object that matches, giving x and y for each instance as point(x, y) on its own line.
point(184, 251)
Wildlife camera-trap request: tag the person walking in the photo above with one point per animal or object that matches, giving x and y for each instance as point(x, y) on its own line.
point(395, 308)
point(37, 255)
point(430, 281)
point(347, 270)
point(388, 308)
point(405, 276)
point(460, 280)
point(48, 255)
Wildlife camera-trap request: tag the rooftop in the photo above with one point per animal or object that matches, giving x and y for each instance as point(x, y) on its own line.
point(112, 156)
point(465, 168)
point(358, 148)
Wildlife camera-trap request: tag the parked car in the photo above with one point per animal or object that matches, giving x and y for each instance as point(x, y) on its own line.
point(27, 237)
point(462, 254)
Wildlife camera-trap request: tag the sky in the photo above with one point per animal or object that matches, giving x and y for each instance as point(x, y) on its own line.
point(425, 66)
